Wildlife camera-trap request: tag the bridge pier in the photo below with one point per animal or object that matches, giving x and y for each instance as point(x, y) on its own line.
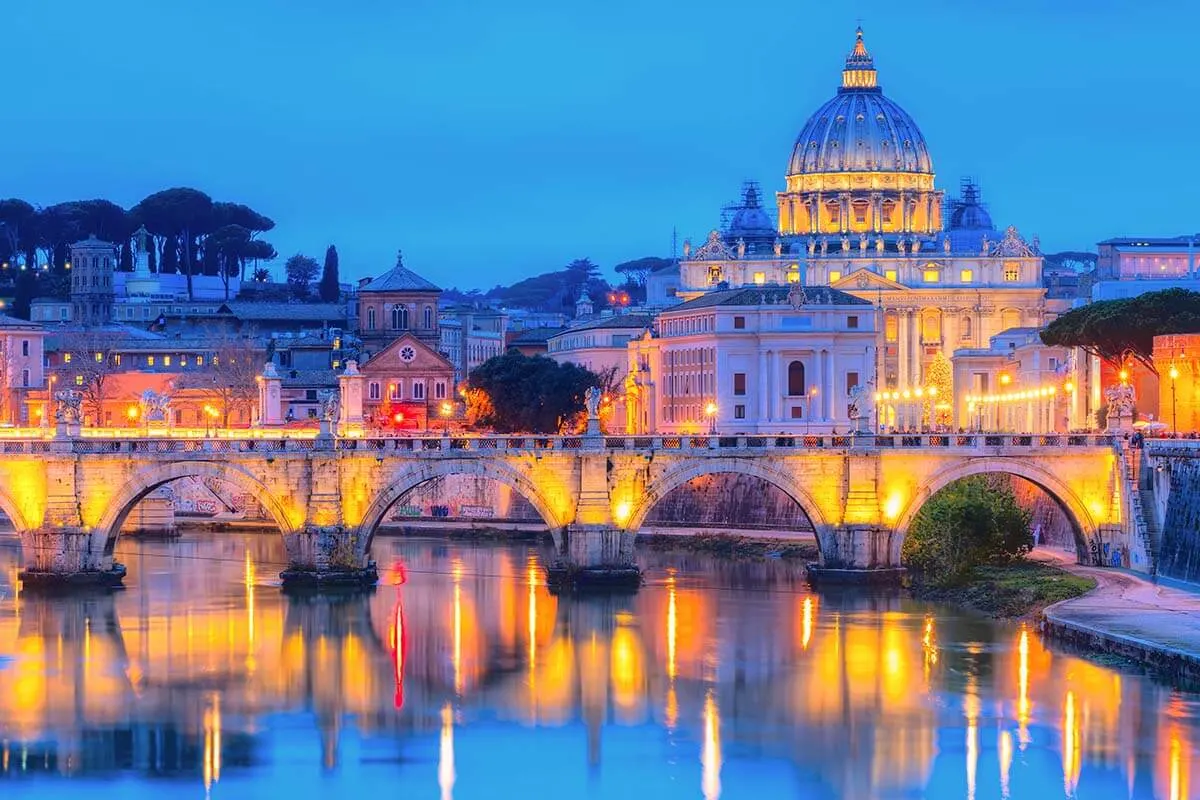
point(594, 556)
point(326, 556)
point(858, 554)
point(66, 557)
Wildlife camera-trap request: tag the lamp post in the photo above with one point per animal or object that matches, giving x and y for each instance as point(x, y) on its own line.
point(446, 411)
point(812, 392)
point(1174, 374)
point(710, 411)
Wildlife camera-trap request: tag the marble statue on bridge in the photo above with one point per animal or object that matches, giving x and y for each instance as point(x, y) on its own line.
point(1120, 408)
point(68, 407)
point(155, 407)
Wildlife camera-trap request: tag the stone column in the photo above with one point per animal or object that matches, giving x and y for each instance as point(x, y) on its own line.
point(763, 386)
point(831, 392)
point(270, 402)
point(350, 400)
point(596, 550)
point(786, 222)
point(901, 349)
point(914, 352)
point(324, 552)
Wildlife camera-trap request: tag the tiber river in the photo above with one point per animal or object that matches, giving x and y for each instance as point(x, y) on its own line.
point(462, 677)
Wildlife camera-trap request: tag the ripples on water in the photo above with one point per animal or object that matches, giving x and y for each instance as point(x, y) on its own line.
point(462, 676)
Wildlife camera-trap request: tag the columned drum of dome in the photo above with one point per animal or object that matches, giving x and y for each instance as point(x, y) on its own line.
point(860, 165)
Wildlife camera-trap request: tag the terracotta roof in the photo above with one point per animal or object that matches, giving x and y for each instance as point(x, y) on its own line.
point(615, 321)
point(399, 279)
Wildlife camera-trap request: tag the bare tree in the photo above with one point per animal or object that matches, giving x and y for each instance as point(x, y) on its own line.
point(89, 360)
point(230, 379)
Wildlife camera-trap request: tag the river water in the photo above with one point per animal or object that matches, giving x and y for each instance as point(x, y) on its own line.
point(463, 677)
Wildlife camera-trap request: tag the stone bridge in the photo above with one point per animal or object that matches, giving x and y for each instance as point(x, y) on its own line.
point(68, 497)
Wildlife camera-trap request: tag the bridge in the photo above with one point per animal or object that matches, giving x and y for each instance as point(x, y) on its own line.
point(67, 496)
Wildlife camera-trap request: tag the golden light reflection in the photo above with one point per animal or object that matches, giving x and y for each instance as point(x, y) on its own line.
point(622, 512)
point(807, 624)
point(446, 754)
point(1023, 688)
point(892, 505)
point(249, 579)
point(672, 628)
point(1177, 784)
point(457, 572)
point(212, 742)
point(627, 667)
point(710, 754)
point(929, 647)
point(1004, 750)
point(399, 645)
point(1070, 746)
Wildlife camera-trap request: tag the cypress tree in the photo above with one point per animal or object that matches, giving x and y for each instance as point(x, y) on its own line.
point(328, 288)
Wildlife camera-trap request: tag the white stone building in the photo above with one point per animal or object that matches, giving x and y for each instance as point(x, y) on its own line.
point(759, 359)
point(470, 336)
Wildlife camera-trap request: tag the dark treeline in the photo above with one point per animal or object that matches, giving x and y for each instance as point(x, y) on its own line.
point(190, 234)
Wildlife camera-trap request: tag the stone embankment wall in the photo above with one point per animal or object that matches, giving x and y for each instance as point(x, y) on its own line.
point(1176, 480)
point(736, 501)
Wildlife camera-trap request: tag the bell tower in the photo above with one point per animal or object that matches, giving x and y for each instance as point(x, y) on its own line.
point(92, 265)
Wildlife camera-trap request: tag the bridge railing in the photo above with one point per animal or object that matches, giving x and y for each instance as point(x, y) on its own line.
point(433, 445)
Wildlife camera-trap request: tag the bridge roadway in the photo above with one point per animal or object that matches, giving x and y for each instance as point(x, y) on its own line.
point(68, 496)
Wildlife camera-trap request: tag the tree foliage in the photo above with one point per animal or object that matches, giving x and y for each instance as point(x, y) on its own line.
point(638, 270)
point(971, 522)
point(1114, 329)
point(229, 381)
point(528, 394)
point(90, 359)
point(329, 288)
point(556, 291)
point(301, 270)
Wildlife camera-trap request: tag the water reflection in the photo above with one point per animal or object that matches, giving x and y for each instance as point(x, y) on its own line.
point(463, 671)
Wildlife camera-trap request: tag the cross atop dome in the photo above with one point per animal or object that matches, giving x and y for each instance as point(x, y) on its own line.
point(860, 67)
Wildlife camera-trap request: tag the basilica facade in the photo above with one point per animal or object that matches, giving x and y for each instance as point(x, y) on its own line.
point(861, 213)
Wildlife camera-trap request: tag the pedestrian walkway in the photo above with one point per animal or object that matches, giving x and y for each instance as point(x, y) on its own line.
point(1129, 615)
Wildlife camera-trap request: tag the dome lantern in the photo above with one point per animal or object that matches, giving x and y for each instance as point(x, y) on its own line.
point(860, 67)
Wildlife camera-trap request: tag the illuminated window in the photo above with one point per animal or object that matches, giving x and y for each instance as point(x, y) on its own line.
point(1012, 272)
point(931, 276)
point(793, 276)
point(66, 358)
point(99, 357)
point(149, 361)
point(760, 278)
point(79, 380)
point(166, 361)
point(199, 361)
point(116, 359)
point(891, 328)
point(966, 276)
point(834, 276)
point(890, 274)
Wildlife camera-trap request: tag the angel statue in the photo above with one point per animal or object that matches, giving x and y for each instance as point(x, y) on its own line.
point(329, 405)
point(591, 399)
point(67, 404)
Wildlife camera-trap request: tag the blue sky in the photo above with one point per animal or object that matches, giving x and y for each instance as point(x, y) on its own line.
point(491, 140)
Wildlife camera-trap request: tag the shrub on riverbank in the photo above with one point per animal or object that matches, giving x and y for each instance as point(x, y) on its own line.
point(971, 522)
point(733, 546)
point(1017, 589)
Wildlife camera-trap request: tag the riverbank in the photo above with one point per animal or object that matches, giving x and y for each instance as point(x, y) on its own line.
point(1019, 590)
point(1131, 617)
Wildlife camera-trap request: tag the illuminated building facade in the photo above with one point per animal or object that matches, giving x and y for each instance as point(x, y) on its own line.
point(861, 213)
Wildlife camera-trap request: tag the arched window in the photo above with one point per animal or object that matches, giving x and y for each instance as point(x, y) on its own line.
point(931, 326)
point(428, 317)
point(371, 318)
point(399, 317)
point(796, 386)
point(964, 327)
point(1010, 318)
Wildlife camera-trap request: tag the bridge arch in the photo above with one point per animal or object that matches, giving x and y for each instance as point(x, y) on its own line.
point(147, 480)
point(1077, 514)
point(679, 474)
point(496, 470)
point(12, 510)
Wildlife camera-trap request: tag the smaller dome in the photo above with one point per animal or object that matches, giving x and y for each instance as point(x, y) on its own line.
point(750, 223)
point(968, 213)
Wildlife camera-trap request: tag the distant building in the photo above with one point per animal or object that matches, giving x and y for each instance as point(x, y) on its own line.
point(470, 336)
point(50, 311)
point(1130, 266)
point(406, 384)
point(532, 341)
point(600, 345)
point(93, 264)
point(398, 303)
point(21, 370)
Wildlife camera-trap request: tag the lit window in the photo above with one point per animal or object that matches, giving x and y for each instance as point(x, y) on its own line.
point(166, 361)
point(116, 359)
point(966, 276)
point(834, 276)
point(931, 276)
point(66, 358)
point(199, 361)
point(79, 380)
point(99, 357)
point(793, 276)
point(1012, 273)
point(149, 361)
point(891, 328)
point(890, 275)
point(760, 278)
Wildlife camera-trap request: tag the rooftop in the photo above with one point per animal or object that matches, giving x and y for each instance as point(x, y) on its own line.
point(298, 312)
point(13, 323)
point(399, 279)
point(637, 321)
point(535, 335)
point(770, 296)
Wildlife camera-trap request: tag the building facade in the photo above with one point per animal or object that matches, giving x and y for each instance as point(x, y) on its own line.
point(470, 336)
point(768, 359)
point(399, 302)
point(93, 265)
point(21, 370)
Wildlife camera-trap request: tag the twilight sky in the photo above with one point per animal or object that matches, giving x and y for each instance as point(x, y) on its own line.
point(491, 140)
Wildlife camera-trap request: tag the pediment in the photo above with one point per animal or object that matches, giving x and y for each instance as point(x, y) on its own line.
point(395, 355)
point(865, 280)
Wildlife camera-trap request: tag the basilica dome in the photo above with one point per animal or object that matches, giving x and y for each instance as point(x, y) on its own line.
point(860, 130)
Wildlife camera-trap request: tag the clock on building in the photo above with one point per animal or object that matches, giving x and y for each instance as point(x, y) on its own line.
point(407, 354)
